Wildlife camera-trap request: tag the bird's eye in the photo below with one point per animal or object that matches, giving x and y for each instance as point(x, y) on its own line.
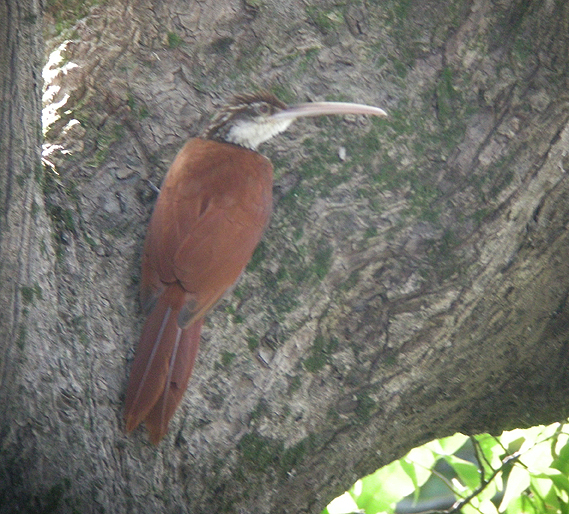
point(264, 109)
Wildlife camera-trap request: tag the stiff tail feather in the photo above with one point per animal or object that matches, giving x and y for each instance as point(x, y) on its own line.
point(161, 369)
point(182, 364)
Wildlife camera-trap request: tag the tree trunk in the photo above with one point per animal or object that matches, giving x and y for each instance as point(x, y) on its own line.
point(414, 287)
point(29, 344)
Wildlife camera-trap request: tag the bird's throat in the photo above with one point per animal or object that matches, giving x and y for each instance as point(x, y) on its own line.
point(250, 134)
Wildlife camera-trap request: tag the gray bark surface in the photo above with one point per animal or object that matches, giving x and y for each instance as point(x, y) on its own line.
point(415, 288)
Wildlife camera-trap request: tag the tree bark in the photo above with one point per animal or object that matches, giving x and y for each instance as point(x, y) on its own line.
point(28, 336)
point(415, 287)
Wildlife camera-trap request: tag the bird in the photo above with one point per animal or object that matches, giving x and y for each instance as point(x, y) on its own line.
point(213, 207)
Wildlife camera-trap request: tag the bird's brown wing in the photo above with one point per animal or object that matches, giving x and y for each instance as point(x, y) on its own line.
point(213, 207)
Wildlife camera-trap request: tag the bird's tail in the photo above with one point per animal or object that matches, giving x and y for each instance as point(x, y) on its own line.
point(162, 367)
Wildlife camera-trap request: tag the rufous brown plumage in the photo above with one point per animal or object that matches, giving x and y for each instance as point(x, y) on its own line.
point(213, 207)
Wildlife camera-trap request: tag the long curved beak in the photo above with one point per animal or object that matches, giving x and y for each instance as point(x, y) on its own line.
point(326, 108)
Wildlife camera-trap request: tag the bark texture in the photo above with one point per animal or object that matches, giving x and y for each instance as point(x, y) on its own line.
point(413, 282)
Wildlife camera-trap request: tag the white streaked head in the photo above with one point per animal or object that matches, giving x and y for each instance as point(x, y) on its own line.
point(250, 120)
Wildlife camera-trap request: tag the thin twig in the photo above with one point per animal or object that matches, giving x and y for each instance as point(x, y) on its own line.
point(483, 484)
point(479, 454)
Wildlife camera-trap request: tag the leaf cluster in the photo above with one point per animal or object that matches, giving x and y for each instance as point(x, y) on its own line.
point(521, 471)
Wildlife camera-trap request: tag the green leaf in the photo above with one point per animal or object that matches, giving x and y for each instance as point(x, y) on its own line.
point(541, 486)
point(546, 493)
point(513, 439)
point(468, 472)
point(418, 473)
point(469, 509)
point(536, 451)
point(492, 451)
point(532, 436)
point(488, 507)
point(450, 445)
point(521, 505)
point(447, 445)
point(483, 506)
point(549, 431)
point(342, 505)
point(382, 490)
point(492, 489)
point(518, 482)
point(538, 458)
point(418, 464)
point(557, 477)
point(562, 462)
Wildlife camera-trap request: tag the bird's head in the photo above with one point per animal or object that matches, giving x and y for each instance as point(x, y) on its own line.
point(251, 119)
